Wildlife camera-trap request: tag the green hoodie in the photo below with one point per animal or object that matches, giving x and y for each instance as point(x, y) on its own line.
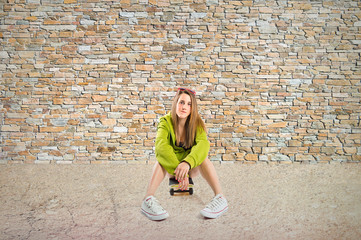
point(169, 155)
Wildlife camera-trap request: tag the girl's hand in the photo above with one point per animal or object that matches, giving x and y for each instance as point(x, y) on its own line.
point(181, 171)
point(183, 185)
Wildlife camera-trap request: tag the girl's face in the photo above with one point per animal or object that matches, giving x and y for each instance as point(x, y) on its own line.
point(184, 106)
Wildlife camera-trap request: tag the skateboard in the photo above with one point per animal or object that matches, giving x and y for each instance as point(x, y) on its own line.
point(174, 185)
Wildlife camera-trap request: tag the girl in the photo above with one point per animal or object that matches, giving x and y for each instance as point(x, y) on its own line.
point(181, 149)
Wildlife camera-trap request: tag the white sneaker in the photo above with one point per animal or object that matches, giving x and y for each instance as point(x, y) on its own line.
point(153, 210)
point(216, 207)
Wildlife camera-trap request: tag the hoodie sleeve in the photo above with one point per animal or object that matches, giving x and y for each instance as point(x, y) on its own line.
point(200, 149)
point(164, 151)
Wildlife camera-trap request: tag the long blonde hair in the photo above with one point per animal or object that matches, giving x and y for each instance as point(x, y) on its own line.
point(193, 121)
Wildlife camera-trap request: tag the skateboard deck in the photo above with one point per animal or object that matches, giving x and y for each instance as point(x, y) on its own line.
point(174, 187)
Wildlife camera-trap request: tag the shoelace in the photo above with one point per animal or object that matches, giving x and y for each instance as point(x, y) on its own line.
point(216, 202)
point(154, 205)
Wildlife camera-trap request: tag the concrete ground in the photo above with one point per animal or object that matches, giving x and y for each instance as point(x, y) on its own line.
point(103, 202)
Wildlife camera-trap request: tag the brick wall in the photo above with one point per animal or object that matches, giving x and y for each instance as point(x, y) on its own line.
point(86, 81)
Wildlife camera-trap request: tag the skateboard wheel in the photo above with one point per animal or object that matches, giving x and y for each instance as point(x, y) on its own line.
point(171, 191)
point(191, 191)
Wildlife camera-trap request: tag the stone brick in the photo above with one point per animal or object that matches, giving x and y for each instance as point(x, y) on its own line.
point(120, 129)
point(109, 122)
point(308, 49)
point(99, 98)
point(350, 150)
point(302, 157)
point(228, 157)
point(295, 143)
point(280, 157)
point(10, 128)
point(251, 157)
point(289, 150)
point(145, 67)
point(328, 150)
point(31, 101)
point(58, 101)
point(52, 129)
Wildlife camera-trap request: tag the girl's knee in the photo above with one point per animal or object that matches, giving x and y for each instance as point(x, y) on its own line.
point(194, 172)
point(206, 161)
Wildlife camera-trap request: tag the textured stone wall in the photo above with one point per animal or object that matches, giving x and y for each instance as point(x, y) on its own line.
point(86, 81)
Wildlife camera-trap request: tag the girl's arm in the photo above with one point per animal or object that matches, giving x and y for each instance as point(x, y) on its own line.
point(164, 152)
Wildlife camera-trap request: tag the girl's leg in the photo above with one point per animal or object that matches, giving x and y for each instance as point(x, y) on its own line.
point(150, 206)
point(157, 177)
point(219, 204)
point(209, 173)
